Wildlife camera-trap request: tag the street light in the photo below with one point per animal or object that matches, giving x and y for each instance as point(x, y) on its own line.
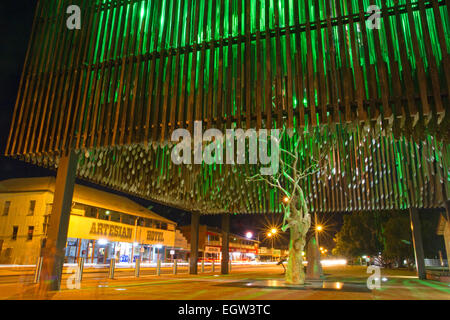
point(271, 235)
point(317, 229)
point(249, 235)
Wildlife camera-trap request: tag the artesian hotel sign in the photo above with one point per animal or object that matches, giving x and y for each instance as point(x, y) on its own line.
point(155, 236)
point(89, 228)
point(111, 230)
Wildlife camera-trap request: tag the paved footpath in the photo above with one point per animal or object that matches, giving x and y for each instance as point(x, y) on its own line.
point(244, 283)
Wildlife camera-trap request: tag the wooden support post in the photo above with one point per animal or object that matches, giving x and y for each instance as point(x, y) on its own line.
point(175, 268)
point(418, 244)
point(195, 219)
point(225, 243)
point(79, 242)
point(137, 268)
point(112, 268)
point(158, 267)
point(93, 251)
point(54, 248)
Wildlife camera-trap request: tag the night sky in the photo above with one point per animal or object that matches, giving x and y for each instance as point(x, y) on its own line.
point(16, 20)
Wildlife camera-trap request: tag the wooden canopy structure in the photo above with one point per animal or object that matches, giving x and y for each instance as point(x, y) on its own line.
point(376, 101)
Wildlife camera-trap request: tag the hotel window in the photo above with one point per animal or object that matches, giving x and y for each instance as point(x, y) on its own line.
point(32, 207)
point(15, 231)
point(6, 208)
point(163, 226)
point(213, 238)
point(90, 212)
point(103, 214)
point(148, 223)
point(127, 219)
point(114, 216)
point(45, 224)
point(30, 233)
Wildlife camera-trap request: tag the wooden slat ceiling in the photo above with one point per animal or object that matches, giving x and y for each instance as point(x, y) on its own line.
point(362, 172)
point(138, 69)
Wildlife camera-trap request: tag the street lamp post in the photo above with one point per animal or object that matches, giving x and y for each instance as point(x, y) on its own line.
point(272, 251)
point(271, 235)
point(317, 229)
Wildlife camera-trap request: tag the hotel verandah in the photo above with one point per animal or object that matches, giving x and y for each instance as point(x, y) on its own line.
point(133, 231)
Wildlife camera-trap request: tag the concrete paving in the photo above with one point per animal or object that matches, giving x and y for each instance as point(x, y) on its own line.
point(244, 283)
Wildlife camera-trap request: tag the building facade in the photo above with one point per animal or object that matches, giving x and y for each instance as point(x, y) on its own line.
point(271, 254)
point(102, 225)
point(210, 245)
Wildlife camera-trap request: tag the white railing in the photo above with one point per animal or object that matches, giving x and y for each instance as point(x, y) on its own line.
point(127, 265)
point(435, 263)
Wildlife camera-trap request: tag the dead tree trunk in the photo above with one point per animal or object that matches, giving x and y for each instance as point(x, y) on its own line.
point(299, 222)
point(296, 213)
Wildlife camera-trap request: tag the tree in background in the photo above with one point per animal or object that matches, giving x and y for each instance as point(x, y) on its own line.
point(398, 243)
point(432, 242)
point(359, 236)
point(370, 233)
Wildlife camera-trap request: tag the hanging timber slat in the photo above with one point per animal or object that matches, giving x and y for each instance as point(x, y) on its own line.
point(365, 171)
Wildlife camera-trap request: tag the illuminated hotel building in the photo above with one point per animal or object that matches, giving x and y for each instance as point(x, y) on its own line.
point(443, 229)
point(210, 244)
point(102, 225)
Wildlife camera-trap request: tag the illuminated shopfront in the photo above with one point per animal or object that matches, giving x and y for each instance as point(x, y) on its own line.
point(99, 241)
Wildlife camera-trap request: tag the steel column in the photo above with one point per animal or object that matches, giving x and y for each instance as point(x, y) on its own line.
point(225, 243)
point(418, 244)
point(54, 248)
point(195, 220)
